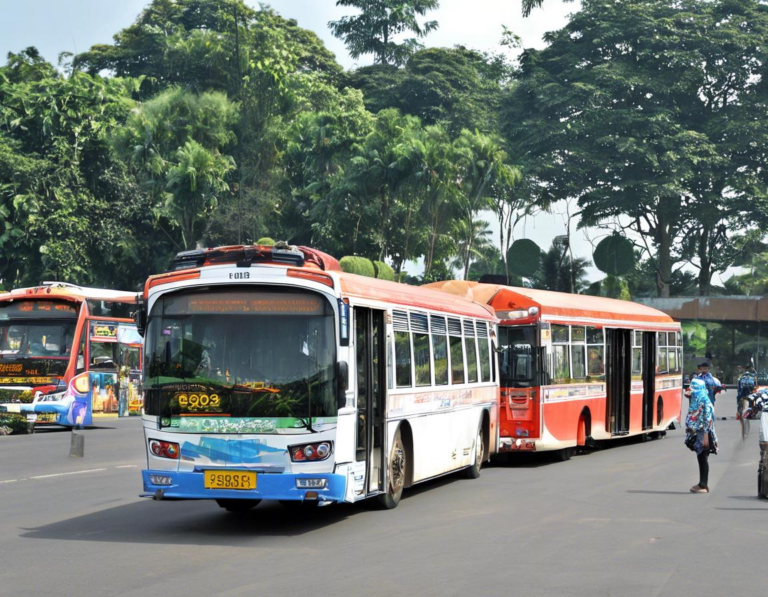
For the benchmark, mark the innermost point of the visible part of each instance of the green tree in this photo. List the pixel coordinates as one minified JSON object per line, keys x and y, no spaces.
{"x":485,"y":179}
{"x":455,"y":87}
{"x":195,"y":182}
{"x":560,"y":272}
{"x":376,"y":29}
{"x":655,"y":111}
{"x":177,"y":144}
{"x":69,"y":208}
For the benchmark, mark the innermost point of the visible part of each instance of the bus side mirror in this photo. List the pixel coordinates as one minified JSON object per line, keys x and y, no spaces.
{"x":342,"y":381}
{"x":140,"y":315}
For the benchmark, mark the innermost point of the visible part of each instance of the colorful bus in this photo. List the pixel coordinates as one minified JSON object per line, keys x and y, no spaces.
{"x":67,"y":352}
{"x":271,"y":374}
{"x":575,"y":369}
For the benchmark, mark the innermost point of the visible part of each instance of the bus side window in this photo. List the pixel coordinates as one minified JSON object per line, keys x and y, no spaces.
{"x":422,"y":358}
{"x":595,"y":352}
{"x":470,"y":347}
{"x":561,"y":365}
{"x":578,"y":352}
{"x":439,"y":349}
{"x":485,"y":353}
{"x":661,"y":341}
{"x":403,"y":370}
{"x":80,"y":367}
{"x":637,"y":352}
{"x":457,"y":351}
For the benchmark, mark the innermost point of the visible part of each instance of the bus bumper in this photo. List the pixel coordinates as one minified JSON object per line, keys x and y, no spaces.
{"x":188,"y":485}
{"x":510,"y":444}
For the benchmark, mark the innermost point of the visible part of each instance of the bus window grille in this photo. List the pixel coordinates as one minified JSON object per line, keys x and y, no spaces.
{"x":454,"y":327}
{"x":469,"y":328}
{"x":482,"y":329}
{"x":438,"y":325}
{"x":400,"y":321}
{"x":419,"y":323}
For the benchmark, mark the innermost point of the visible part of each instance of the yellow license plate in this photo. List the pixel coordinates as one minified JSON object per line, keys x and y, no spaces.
{"x":229,"y":480}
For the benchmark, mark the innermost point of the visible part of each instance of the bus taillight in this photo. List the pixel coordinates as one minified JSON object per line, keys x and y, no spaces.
{"x":310,"y":452}
{"x":164,"y":449}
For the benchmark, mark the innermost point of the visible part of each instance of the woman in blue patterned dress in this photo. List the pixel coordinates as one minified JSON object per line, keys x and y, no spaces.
{"x":699,"y":422}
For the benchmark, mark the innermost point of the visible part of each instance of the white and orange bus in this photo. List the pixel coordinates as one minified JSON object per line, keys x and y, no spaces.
{"x":272,"y":374}
{"x":576,"y":368}
{"x":67,"y":352}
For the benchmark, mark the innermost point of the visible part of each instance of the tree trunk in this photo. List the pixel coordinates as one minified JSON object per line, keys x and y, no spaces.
{"x":664,"y":259}
{"x":705,"y":262}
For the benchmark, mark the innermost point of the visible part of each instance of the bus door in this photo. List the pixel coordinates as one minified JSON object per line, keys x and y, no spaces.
{"x":649,"y":377}
{"x":370,"y":343}
{"x":618,"y":380}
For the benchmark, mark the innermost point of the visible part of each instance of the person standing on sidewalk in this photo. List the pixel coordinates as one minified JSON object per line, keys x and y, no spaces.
{"x":700,"y":431}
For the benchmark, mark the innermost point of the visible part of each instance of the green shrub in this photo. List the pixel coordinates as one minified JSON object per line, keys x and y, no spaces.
{"x":358,"y":265}
{"x":384,"y":271}
{"x":524,"y":257}
{"x":13,"y":423}
{"x":265,"y":242}
{"x":614,"y":255}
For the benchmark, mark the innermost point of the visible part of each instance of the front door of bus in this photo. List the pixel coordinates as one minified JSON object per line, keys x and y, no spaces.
{"x":370,"y":343}
{"x":618,"y":380}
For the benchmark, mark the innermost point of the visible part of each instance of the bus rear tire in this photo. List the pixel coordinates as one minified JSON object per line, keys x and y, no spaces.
{"x":564,"y":454}
{"x":238,"y":505}
{"x":473,"y":472}
{"x":397,"y":471}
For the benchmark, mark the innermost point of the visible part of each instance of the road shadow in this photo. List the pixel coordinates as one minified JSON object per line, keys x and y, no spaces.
{"x":202,"y":522}
{"x":193,"y":523}
{"x":658,"y":492}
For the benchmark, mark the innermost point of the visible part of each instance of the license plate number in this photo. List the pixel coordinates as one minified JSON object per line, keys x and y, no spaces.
{"x":230,"y":480}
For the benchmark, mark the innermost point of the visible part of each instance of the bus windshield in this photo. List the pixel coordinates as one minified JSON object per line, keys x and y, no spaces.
{"x":36,"y":338}
{"x":241,"y":360}
{"x":518,"y":358}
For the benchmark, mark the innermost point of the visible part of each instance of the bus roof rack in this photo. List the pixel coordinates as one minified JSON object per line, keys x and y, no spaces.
{"x":247,"y":255}
{"x":97,"y":294}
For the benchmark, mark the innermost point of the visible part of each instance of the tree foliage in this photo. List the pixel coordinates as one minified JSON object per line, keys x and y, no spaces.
{"x":375,"y":30}
{"x":654,"y":111}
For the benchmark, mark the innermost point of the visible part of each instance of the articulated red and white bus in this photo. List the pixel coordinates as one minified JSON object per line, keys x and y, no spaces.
{"x":272,"y":374}
{"x":576,"y":368}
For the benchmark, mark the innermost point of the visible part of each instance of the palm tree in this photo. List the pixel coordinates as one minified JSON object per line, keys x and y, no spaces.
{"x":195,"y":182}
{"x":471,"y":240}
{"x":560,"y":273}
{"x":484,"y":175}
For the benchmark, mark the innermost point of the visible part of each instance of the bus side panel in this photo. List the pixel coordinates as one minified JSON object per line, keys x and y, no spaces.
{"x":561,"y":419}
{"x":635,"y":412}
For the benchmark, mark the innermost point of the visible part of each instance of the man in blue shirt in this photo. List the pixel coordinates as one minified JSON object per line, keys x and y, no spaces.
{"x":713,"y":384}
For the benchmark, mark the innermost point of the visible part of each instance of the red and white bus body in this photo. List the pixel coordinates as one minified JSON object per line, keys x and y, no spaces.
{"x":575,"y":368}
{"x":67,"y":352}
{"x":381,"y":345}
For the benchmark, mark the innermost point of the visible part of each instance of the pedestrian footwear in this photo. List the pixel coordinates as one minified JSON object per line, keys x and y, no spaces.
{"x":699,"y":489}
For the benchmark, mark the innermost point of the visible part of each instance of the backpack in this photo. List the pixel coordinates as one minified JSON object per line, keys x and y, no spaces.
{"x":747,"y":384}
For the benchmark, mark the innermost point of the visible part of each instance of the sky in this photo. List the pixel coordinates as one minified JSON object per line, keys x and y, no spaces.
{"x":56,"y":26}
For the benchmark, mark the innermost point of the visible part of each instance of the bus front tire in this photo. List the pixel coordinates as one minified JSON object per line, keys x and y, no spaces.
{"x":238,"y":505}
{"x":473,"y":472}
{"x":397,"y":470}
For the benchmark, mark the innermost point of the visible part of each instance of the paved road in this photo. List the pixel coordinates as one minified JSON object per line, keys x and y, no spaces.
{"x":612,"y":522}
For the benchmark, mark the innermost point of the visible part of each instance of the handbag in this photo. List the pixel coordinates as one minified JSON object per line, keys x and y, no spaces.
{"x":690,"y":441}
{"x":713,"y":448}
